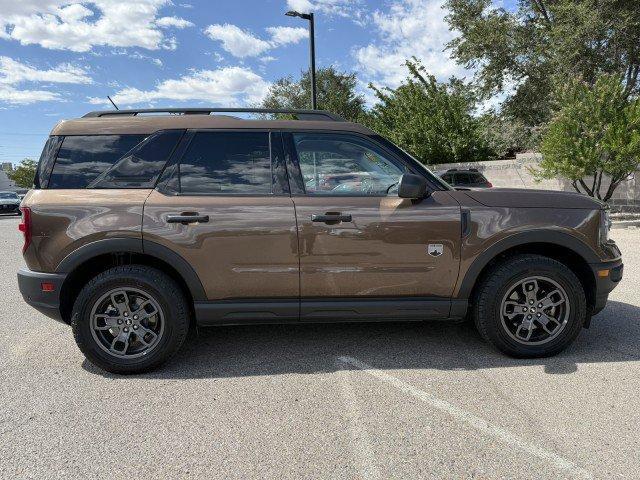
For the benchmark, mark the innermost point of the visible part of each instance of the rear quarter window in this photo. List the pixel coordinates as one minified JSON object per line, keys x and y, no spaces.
{"x":47,"y":158}
{"x":111,"y":161}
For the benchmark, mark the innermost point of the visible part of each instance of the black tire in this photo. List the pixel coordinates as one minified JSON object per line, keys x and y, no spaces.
{"x":165,"y":292}
{"x":487,"y":302}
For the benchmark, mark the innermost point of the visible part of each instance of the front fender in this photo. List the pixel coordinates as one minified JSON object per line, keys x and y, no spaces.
{"x":541,"y":236}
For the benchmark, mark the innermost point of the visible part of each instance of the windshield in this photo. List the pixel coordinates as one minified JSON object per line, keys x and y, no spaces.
{"x":8,"y":195}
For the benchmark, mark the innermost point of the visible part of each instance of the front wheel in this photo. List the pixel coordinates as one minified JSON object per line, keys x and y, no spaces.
{"x":130,"y":319}
{"x":530,"y":306}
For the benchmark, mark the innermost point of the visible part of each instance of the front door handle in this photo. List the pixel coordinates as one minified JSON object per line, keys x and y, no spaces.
{"x":331,"y":218}
{"x":187,"y":217}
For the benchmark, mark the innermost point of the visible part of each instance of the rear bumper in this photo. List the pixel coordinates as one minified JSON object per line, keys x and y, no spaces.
{"x":606,"y":283}
{"x":48,"y":303}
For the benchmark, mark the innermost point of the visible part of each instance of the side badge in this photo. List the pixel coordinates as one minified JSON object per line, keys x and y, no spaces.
{"x":435,"y":249}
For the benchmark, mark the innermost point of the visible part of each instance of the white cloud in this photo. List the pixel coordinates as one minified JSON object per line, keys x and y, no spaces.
{"x":176,"y":22}
{"x":12,"y":95}
{"x":62,"y":25}
{"x":408,"y":28}
{"x":226,"y":86}
{"x":13,"y":73}
{"x":343,"y":8}
{"x":241,"y":43}
{"x":236,"y":41}
{"x":286,"y":35}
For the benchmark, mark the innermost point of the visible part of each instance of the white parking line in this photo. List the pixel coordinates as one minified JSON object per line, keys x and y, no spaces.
{"x":361,"y":443}
{"x":478,"y":423}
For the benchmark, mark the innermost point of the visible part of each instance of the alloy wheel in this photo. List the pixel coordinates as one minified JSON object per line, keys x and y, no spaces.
{"x":127,"y":322}
{"x":535,"y":310}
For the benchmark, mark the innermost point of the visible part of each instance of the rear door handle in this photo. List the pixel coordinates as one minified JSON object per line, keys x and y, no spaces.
{"x":187,"y":217}
{"x":331,"y":218}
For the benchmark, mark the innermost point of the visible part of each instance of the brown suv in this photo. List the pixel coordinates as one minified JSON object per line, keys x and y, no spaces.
{"x":141,"y":225}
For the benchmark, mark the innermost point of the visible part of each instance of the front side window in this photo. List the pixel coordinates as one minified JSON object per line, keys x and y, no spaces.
{"x":228,"y":163}
{"x":81,"y":159}
{"x":339,"y":164}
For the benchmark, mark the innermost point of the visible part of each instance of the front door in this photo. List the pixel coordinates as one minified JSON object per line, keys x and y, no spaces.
{"x":224,"y":207}
{"x":362,"y":248}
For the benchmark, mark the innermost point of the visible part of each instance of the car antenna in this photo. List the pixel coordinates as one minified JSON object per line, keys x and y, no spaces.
{"x":112,"y":103}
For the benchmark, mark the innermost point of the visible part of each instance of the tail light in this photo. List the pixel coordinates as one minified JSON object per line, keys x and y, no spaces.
{"x":489,"y":185}
{"x":25,"y":227}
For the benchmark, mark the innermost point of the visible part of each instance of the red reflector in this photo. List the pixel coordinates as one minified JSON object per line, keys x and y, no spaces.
{"x":47,"y":286}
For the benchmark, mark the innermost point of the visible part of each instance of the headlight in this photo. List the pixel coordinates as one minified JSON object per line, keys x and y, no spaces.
{"x":605,"y":225}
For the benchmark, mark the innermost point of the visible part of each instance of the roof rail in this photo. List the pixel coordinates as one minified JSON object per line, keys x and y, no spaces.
{"x":299,"y":114}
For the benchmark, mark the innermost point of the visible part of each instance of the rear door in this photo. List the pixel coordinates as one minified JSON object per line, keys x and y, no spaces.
{"x":224,"y":207}
{"x":359,"y":241}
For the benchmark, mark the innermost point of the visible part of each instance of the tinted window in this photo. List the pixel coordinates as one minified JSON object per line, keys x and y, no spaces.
{"x":8,"y":195}
{"x":477,"y":178}
{"x":462,"y":179}
{"x":227,"y":163}
{"x":140,"y":167}
{"x":81,"y":159}
{"x":447,"y":178}
{"x":338,"y":164}
{"x":47,"y":158}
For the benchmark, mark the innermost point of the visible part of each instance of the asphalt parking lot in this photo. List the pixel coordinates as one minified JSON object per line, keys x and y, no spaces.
{"x":328,"y":401}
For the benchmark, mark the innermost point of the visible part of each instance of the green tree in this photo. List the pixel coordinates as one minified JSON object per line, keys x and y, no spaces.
{"x":594,"y":135}
{"x":24,"y":174}
{"x":336,"y":92}
{"x":431,"y":120}
{"x":506,"y":135}
{"x":542,"y":43}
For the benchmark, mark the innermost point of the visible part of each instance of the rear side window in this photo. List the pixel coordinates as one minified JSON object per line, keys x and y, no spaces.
{"x":227,"y":163}
{"x":477,"y":178}
{"x":81,"y":159}
{"x":462,"y":179}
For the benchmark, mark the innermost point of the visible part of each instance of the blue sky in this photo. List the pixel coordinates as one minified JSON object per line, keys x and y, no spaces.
{"x":60,"y":58}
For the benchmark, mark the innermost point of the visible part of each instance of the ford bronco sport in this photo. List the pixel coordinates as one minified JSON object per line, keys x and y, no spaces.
{"x":141,"y":225}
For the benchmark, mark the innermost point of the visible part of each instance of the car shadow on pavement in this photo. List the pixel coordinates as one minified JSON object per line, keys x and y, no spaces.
{"x":240,"y":351}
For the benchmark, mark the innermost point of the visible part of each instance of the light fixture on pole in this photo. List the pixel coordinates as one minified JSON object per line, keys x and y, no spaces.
{"x":312,"y":52}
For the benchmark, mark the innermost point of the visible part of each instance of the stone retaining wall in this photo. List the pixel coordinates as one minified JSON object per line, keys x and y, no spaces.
{"x":516,"y":173}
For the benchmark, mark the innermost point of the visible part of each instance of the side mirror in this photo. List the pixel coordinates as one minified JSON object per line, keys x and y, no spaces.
{"x":412,"y":186}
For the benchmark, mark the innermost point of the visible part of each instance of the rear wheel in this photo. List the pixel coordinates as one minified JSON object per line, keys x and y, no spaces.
{"x":530,"y":306}
{"x":130,"y":319}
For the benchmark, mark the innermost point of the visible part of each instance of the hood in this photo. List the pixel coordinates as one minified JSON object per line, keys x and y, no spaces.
{"x":525,"y":198}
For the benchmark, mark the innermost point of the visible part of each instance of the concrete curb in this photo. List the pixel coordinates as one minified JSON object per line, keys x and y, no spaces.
{"x":631,"y":224}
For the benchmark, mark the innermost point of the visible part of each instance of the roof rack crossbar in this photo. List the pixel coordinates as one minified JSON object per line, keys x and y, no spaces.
{"x":299,"y":114}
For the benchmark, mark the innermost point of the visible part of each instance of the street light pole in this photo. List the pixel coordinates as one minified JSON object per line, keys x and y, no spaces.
{"x":312,"y":53}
